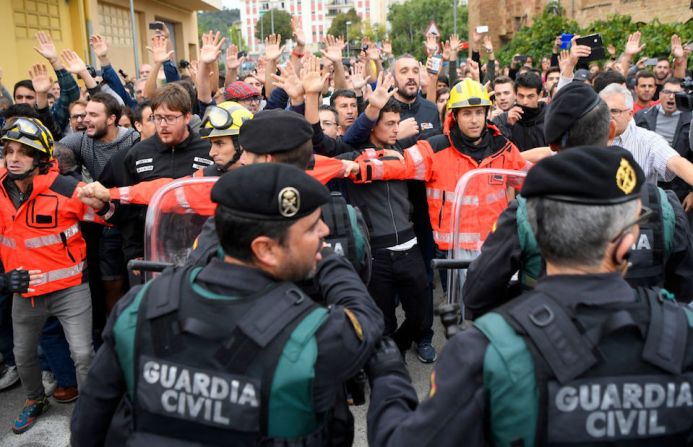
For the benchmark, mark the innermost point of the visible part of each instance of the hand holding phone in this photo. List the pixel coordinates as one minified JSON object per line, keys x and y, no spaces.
{"x":156,"y":26}
{"x":482,"y":29}
{"x":594,"y":41}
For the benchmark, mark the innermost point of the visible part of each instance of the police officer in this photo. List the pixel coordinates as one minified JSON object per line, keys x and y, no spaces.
{"x":234,"y":353}
{"x":582,"y":359}
{"x":662,"y":255}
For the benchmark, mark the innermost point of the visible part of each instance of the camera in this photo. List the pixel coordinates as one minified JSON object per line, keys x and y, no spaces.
{"x":684,"y":99}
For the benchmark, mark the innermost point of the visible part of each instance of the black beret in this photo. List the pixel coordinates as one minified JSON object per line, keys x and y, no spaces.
{"x":570,"y":103}
{"x":269,"y":191}
{"x":586,"y":175}
{"x":276,"y":130}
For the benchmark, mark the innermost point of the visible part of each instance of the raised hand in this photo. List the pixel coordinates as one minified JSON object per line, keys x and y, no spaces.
{"x":676,"y":47}
{"x":387,"y":47}
{"x":578,"y":51}
{"x":473,"y":69}
{"x":289,"y":81}
{"x":564,"y":61}
{"x":476,"y":39}
{"x":260,"y":72}
{"x":356,"y":77}
{"x":431,"y":44}
{"x":40,"y":79}
{"x":211,"y":47}
{"x":158,"y":49}
{"x":272,"y":49}
{"x":633,"y":46}
{"x":297,"y":32}
{"x":45,"y":47}
{"x":192,"y":69}
{"x":382,"y":92}
{"x":312,"y":80}
{"x":233,"y":62}
{"x":99,"y":45}
{"x":72,"y":62}
{"x":487,"y":44}
{"x":611,"y":49}
{"x":333,"y":48}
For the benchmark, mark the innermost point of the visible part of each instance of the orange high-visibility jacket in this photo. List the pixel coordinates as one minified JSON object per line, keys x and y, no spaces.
{"x":43,"y":234}
{"x":198,"y":200}
{"x":441,"y":170}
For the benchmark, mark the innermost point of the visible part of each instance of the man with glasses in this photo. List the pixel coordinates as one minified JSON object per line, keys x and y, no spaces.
{"x":652,"y":152}
{"x":576,"y":361}
{"x":78,"y":113}
{"x":175,"y":151}
{"x":674,"y":126}
{"x":245,"y":95}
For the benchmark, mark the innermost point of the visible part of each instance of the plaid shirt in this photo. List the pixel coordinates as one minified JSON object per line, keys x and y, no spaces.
{"x":69,"y":92}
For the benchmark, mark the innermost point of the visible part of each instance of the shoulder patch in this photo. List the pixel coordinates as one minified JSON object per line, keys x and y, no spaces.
{"x":64,"y":185}
{"x":354,"y":323}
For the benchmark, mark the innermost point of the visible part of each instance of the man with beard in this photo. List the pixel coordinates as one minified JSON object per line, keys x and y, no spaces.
{"x":252,"y":346}
{"x":523,"y":124}
{"x":503,"y":96}
{"x":94,"y":148}
{"x":78,"y":113}
{"x":662,"y":72}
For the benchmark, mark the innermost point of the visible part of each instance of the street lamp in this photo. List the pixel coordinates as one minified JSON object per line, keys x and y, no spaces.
{"x":348,"y":22}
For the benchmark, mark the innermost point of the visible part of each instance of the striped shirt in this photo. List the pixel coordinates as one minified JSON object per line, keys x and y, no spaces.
{"x":651,"y":151}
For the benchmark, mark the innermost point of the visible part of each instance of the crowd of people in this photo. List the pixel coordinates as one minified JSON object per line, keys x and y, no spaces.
{"x":252,"y":340}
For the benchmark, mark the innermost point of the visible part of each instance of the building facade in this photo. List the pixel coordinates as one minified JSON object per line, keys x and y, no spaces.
{"x":505,"y":17}
{"x":71,"y":22}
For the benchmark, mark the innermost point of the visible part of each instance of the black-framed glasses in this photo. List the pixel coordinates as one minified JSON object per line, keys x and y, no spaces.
{"x":618,"y":111}
{"x":667,"y":92}
{"x":169,"y":119}
{"x":644,"y":216}
{"x":78,"y":116}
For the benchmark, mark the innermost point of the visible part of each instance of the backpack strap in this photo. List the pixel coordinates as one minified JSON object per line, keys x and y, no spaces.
{"x":668,"y":222}
{"x":665,"y":344}
{"x":555,"y":336}
{"x":161,"y":308}
{"x":262,"y":325}
{"x":532,"y":262}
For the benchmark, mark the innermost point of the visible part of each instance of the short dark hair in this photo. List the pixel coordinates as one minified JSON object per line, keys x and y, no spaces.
{"x":23,"y":110}
{"x":663,"y":58}
{"x":329,"y":109}
{"x":529,"y":80}
{"x":112,"y":106}
{"x":299,"y":156}
{"x":553,"y":69}
{"x":673,"y":80}
{"x":236,"y":233}
{"x":644,"y":74}
{"x":392,"y":105}
{"x":173,"y":96}
{"x":341,"y":93}
{"x":444,"y":79}
{"x":607,"y":77}
{"x":127,"y":111}
{"x":503,"y":80}
{"x":140,"y":107}
{"x":26,"y":83}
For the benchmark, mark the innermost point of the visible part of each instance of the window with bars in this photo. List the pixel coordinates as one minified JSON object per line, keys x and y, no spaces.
{"x":31,"y":16}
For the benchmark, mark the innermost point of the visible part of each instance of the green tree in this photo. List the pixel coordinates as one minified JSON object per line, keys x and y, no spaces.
{"x":236,"y":37}
{"x":411,"y":19}
{"x":338,"y":26}
{"x":217,"y":21}
{"x":282,"y":25}
{"x":537,"y":40}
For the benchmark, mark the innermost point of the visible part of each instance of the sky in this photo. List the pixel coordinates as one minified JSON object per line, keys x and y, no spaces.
{"x":231,"y":4}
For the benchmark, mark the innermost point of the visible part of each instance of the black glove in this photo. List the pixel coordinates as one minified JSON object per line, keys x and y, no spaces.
{"x":17,"y":281}
{"x":386,"y":361}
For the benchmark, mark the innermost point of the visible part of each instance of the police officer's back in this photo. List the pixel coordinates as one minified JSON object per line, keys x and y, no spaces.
{"x":582,"y":359}
{"x":233,"y":353}
{"x":662,"y":255}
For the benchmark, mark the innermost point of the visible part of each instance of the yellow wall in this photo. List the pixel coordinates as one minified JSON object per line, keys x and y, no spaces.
{"x":72,"y":22}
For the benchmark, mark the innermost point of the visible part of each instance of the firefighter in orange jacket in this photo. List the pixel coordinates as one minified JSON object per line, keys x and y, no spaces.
{"x":221,"y":125}
{"x":39,"y":222}
{"x":468,"y":142}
